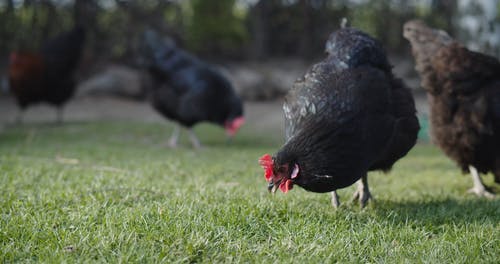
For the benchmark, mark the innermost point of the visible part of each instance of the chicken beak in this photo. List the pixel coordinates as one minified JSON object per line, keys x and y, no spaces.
{"x":273,"y":186}
{"x":270,"y":186}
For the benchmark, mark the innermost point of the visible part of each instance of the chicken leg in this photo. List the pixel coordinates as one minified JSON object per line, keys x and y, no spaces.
{"x":172,"y":142}
{"x":194,"y":140}
{"x":59,"y":115}
{"x":363,"y":192}
{"x":479,"y":189}
{"x":20,"y":117}
{"x":335,"y":199}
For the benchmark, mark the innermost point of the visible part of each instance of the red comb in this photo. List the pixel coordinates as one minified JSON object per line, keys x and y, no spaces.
{"x":266,"y":162}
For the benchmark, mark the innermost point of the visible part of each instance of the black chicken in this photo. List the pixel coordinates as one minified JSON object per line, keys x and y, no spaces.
{"x":47,"y":75}
{"x":463,"y":88}
{"x":188,"y":90}
{"x":348,"y":115}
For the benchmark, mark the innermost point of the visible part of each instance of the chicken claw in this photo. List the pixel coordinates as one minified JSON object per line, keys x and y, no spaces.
{"x":363,"y":192}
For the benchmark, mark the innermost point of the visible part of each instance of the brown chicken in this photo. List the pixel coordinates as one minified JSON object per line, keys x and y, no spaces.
{"x":463,"y":88}
{"x":48,"y":75}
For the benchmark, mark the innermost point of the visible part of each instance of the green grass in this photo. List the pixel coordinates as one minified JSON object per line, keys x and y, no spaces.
{"x":111,"y":192}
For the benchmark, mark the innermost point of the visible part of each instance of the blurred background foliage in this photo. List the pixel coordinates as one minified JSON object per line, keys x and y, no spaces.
{"x":236,"y":29}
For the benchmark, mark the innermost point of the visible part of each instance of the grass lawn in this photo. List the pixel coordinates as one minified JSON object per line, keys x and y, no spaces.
{"x":111,"y":192}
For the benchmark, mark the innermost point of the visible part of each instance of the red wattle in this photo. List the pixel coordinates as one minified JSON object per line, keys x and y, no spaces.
{"x":286,"y":185}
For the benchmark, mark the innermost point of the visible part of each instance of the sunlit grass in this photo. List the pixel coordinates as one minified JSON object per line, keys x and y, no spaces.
{"x":86,"y":192}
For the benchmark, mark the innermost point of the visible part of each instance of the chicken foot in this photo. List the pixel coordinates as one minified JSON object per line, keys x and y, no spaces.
{"x":172,"y":142}
{"x":479,"y":189}
{"x":363,"y":192}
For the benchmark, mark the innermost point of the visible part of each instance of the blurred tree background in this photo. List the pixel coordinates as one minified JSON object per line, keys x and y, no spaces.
{"x":238,"y":29}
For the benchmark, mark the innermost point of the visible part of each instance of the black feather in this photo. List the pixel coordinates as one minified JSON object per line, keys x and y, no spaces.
{"x":48,"y":75}
{"x":347,"y":115}
{"x":188,"y":90}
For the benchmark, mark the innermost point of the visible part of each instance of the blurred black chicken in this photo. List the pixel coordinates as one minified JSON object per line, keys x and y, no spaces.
{"x":348,"y":115}
{"x":463,"y":88}
{"x":47,"y":75}
{"x":188,"y":90}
